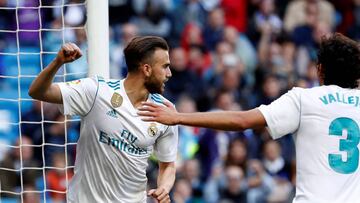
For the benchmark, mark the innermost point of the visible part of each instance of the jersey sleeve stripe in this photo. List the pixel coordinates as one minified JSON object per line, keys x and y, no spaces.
{"x":114,"y":83}
{"x":157,"y":96}
{"x":157,"y":100}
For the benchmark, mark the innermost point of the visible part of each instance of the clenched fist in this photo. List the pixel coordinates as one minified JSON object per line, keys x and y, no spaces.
{"x":160,"y":194}
{"x":68,"y":52}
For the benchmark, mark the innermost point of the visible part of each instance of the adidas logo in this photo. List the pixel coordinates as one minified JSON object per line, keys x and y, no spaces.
{"x":112,"y":113}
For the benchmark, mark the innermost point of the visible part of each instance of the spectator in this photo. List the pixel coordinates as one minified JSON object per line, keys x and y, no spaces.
{"x":188,"y":136}
{"x":238,"y":180}
{"x":58,"y":178}
{"x":120,"y":11}
{"x":118,"y":68}
{"x":214,"y":144}
{"x":7,"y":22}
{"x":231,"y":81}
{"x":18,"y":161}
{"x":31,"y":197}
{"x":354,"y":30}
{"x":183,"y":80}
{"x":271,"y":90}
{"x":259,"y":183}
{"x":189,"y":12}
{"x":56,"y":133}
{"x":75,"y":14}
{"x":235,"y":14}
{"x":224,"y":55}
{"x":233,"y":190}
{"x":191,"y":35}
{"x":199,"y":60}
{"x":307,"y":51}
{"x":243,"y":49}
{"x":237,"y":154}
{"x":191,"y":173}
{"x":182,"y":191}
{"x":295,"y":13}
{"x":151,"y":19}
{"x":279,"y":169}
{"x":214,"y":29}
{"x":265,"y":18}
{"x":266,"y":14}
{"x":79,"y":68}
{"x":29,"y":24}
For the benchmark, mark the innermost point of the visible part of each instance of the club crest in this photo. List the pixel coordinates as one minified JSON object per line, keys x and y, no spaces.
{"x":116,"y":100}
{"x":152,"y":130}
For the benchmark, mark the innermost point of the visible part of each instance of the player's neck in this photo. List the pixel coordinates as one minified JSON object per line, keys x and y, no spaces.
{"x":135,"y":90}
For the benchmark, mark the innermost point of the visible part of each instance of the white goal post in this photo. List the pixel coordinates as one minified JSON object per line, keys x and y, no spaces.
{"x":98,"y":37}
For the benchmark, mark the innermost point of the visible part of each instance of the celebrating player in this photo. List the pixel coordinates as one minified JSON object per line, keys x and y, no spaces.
{"x":115,"y":144}
{"x":324,"y":121}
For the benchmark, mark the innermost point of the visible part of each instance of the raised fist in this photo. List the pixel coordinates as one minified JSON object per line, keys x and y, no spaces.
{"x":68,"y":52}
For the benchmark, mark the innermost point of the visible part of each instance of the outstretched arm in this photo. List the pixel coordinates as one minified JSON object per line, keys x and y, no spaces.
{"x":221,"y":120}
{"x":165,"y":182}
{"x":42,"y":87}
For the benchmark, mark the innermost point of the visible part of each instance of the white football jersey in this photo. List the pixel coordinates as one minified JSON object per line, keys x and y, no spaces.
{"x":114,"y":144}
{"x":325,"y":123}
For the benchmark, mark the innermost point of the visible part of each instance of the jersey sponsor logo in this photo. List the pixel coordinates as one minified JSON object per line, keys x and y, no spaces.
{"x":113,"y":113}
{"x":152,"y":130}
{"x":125,"y":143}
{"x":116,"y":100}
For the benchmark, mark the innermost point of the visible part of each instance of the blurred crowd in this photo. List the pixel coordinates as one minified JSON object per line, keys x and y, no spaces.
{"x":225,"y":55}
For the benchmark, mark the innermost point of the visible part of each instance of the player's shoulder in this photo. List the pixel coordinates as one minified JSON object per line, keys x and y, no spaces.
{"x":94,"y":80}
{"x":301,"y":90}
{"x":158,"y":98}
{"x":315,"y":92}
{"x":114,"y":84}
{"x":296,"y":91}
{"x":83,"y":82}
{"x":323,"y":89}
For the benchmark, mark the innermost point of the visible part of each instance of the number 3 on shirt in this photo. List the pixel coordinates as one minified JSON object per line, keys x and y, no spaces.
{"x":348,"y":145}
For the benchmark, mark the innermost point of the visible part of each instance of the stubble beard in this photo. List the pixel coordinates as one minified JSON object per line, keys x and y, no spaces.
{"x":154,"y":86}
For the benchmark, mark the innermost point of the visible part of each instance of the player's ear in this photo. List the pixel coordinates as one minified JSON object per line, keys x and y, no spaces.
{"x":146,"y":69}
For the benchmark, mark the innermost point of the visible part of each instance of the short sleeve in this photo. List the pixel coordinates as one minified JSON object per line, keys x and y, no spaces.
{"x":283,"y":115}
{"x":165,"y":148}
{"x":78,"y":96}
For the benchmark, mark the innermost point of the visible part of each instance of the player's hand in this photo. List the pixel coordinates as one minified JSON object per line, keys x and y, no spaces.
{"x":68,"y":52}
{"x":158,"y":113}
{"x":160,"y":194}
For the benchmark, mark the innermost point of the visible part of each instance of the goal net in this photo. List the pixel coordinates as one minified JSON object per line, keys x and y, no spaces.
{"x":37,"y":143}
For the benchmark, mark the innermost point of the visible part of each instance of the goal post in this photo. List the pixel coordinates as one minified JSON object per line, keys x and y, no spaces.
{"x":98,"y":37}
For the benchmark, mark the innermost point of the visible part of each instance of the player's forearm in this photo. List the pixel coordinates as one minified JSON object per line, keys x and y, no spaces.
{"x":42,"y":83}
{"x":166,"y":177}
{"x":42,"y":87}
{"x":224,"y":120}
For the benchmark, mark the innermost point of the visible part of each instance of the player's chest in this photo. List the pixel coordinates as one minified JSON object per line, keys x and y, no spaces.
{"x":120,"y":123}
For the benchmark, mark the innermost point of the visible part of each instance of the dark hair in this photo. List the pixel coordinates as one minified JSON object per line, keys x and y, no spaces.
{"x":339,"y":57}
{"x":141,"y":49}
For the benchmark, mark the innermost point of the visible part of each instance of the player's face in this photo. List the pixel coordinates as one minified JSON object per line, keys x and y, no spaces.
{"x":155,"y":83}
